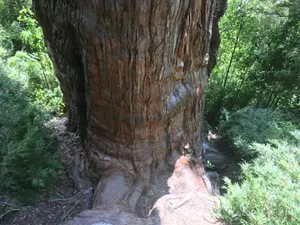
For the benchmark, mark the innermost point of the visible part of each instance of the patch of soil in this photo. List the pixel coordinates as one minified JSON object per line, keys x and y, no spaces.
{"x":71,"y":196}
{"x":233,"y":168}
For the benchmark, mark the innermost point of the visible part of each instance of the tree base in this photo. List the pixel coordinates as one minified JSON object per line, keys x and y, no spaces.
{"x":178,"y":197}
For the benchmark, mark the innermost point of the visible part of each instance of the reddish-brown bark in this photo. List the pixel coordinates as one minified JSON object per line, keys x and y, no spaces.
{"x":133,"y":75}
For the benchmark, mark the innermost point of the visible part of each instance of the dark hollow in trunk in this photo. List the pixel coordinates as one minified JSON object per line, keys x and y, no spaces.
{"x":133,"y":75}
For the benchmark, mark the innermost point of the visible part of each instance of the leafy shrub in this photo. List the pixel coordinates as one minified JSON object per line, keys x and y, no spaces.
{"x":255,"y":125}
{"x":32,"y":36}
{"x":43,"y":85}
{"x":9,"y":10}
{"x":269,"y":193}
{"x":24,"y":69}
{"x":28,"y":162}
{"x":43,"y":88}
{"x":5,"y":43}
{"x":33,"y":68}
{"x":29,"y":94}
{"x":49,"y":100}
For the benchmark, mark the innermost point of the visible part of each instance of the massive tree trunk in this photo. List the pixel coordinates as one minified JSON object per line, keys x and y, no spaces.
{"x":133,"y":75}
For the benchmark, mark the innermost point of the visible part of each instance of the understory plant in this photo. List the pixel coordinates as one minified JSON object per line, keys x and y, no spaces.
{"x":41,"y":85}
{"x":28,"y":160}
{"x":259,"y":125}
{"x":269,"y":193}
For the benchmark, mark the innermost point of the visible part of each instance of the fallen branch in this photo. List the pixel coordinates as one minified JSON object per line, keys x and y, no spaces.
{"x":69,"y":211}
{"x":7,"y":212}
{"x":6,"y":203}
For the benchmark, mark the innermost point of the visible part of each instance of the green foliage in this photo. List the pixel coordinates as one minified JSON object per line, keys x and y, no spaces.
{"x":209,"y":165}
{"x":269,"y":193}
{"x":6,"y":44}
{"x":49,"y":100}
{"x":258,"y":71}
{"x":32,"y":67}
{"x":258,"y":61}
{"x":41,"y":85}
{"x":9,"y":10}
{"x":28,"y":162}
{"x":32,"y":35}
{"x":250,"y":125}
{"x":29,"y":95}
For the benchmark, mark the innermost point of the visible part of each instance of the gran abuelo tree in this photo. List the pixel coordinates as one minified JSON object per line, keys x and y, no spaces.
{"x":133,"y":74}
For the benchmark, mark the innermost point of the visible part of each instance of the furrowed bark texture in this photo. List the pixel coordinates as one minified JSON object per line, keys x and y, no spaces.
{"x":133,"y":75}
